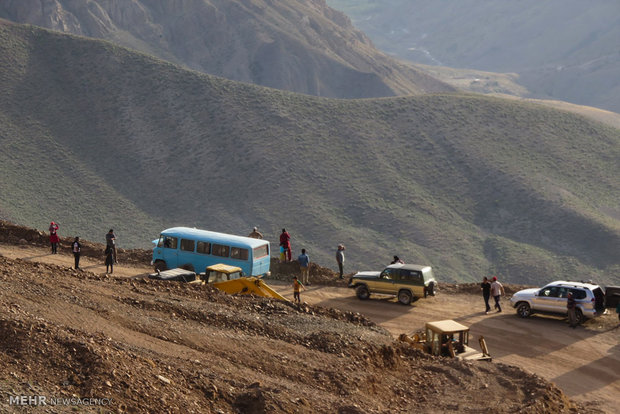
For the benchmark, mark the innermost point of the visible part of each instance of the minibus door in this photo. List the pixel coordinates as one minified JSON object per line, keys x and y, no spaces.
{"x":171,"y":252}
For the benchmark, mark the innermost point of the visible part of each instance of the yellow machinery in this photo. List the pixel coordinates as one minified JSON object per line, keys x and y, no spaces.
{"x":448,"y":338}
{"x":228,"y":279}
{"x":223,"y":277}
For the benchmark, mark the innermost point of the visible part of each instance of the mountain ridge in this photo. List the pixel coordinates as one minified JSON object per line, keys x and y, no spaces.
{"x":101,"y":137}
{"x":302,"y":46}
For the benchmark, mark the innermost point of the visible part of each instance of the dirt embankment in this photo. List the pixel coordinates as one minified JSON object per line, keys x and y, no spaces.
{"x":13,"y":234}
{"x":139,"y":345}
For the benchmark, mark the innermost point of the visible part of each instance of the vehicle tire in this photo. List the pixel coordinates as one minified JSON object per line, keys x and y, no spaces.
{"x":579,"y":316}
{"x":432,"y":289}
{"x":404,"y":297}
{"x":160,"y":265}
{"x":362,"y":292}
{"x":524,"y":310}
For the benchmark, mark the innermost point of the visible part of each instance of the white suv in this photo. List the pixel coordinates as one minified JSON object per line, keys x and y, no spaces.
{"x":551,"y":299}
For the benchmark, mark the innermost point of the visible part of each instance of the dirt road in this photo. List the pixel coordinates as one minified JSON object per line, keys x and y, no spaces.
{"x":584,"y":363}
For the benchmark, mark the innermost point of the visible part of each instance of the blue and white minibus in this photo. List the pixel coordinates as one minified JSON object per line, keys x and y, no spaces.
{"x":196,"y":249}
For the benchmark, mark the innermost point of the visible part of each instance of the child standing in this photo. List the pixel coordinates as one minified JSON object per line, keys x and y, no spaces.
{"x":297,"y":287}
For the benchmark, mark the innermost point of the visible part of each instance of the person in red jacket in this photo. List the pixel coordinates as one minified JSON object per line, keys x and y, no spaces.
{"x":54,"y":237}
{"x":285,"y":241}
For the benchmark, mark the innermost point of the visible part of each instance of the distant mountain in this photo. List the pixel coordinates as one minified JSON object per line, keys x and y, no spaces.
{"x":561,"y":49}
{"x":95,"y":136}
{"x":298,"y":45}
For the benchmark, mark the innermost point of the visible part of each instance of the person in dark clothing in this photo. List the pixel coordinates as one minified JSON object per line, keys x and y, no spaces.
{"x":397,"y":260}
{"x":485,"y":286}
{"x":110,"y":241}
{"x":340,"y":259}
{"x":571,"y":307}
{"x":76,"y":248}
{"x":109,"y":260}
{"x":54,"y":237}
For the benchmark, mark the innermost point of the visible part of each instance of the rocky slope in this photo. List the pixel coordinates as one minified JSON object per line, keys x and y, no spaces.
{"x":149,"y":346}
{"x":301,"y":46}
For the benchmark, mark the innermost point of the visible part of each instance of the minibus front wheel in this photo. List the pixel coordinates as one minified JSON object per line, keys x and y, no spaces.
{"x":160,"y":265}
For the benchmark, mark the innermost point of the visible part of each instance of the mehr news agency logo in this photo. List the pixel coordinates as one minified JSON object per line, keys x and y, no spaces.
{"x":40,"y":400}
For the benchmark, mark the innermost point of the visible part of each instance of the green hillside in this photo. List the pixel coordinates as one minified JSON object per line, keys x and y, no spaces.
{"x":96,"y":137}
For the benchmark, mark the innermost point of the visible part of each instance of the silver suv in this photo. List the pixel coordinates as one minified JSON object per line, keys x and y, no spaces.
{"x":551,"y":299}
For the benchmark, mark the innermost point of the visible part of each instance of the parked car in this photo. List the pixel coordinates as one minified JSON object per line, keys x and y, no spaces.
{"x":551,"y":299}
{"x":407,"y":282}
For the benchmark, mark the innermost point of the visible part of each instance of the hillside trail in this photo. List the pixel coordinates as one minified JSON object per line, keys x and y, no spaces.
{"x":584,"y":363}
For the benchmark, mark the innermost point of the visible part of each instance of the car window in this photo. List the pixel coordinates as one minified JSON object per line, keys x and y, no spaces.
{"x":239,"y":253}
{"x":578,"y":293}
{"x":411,"y":276}
{"x":387,"y":274}
{"x":545,"y":292}
{"x":203,"y":247}
{"x":187,"y":245}
{"x":220,"y":250}
{"x":562,"y":292}
{"x":170,"y":242}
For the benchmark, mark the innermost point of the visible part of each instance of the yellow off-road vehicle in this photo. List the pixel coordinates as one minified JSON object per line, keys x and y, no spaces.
{"x":408,"y":282}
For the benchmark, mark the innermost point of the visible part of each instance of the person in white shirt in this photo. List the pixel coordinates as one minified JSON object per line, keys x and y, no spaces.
{"x":496,"y":291}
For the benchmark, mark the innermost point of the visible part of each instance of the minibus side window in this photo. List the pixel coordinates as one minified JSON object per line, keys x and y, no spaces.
{"x":203,"y":247}
{"x":220,"y":250}
{"x":170,"y":242}
{"x":187,"y":245}
{"x":261,"y":251}
{"x":239,"y":253}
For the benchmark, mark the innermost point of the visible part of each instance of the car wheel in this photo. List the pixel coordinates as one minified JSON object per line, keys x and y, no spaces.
{"x":579,"y":315}
{"x":362,"y":292}
{"x":432,"y":289}
{"x":160,"y":265}
{"x":524,"y":310}
{"x":404,"y":297}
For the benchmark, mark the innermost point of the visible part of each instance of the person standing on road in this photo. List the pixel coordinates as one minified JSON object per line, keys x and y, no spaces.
{"x":285,"y":241}
{"x":255,"y":234}
{"x":497,"y":290}
{"x":485,"y":286}
{"x":109,"y":260}
{"x":110,"y":241}
{"x":76,"y":247}
{"x":54,"y":237}
{"x":571,"y":307}
{"x":618,"y":312}
{"x":297,"y":287}
{"x":340,"y":259}
{"x":304,"y":263}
